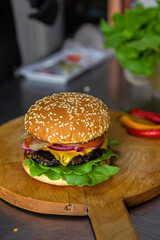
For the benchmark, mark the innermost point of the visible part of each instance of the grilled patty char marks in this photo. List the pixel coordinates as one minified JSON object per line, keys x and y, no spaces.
{"x":43,"y":157}
{"x":47,"y":159}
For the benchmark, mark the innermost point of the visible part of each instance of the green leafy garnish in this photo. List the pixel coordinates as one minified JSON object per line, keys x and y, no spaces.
{"x":97,"y":175}
{"x":112,"y":142}
{"x":135,"y":38}
{"x":90,"y":173}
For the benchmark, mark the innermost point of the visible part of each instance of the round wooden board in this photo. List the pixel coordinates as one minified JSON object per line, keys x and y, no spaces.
{"x":137,"y":181}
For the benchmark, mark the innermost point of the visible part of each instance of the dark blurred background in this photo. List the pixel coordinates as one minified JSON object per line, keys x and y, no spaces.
{"x":79,"y":12}
{"x":33,"y":29}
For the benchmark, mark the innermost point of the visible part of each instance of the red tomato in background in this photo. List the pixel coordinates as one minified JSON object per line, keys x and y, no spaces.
{"x":73,"y":58}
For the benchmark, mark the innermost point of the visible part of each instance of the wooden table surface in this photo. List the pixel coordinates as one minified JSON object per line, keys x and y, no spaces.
{"x":107,"y":82}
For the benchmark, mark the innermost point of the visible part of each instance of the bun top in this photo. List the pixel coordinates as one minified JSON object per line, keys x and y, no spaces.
{"x":67,"y":117}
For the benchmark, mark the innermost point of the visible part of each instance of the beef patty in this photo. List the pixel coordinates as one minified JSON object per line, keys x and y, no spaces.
{"x":47,"y":159}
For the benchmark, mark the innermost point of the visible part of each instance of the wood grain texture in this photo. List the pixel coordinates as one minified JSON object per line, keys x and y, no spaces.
{"x":137,"y":181}
{"x":110,"y":218}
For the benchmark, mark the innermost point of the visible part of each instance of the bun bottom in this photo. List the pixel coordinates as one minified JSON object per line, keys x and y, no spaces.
{"x":43,"y":178}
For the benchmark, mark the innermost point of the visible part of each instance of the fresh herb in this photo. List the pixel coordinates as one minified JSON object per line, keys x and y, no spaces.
{"x":112,"y":142}
{"x":90,"y":173}
{"x":135,"y":37}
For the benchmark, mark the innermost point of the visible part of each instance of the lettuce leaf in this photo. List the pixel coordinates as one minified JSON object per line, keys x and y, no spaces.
{"x":98,"y":174}
{"x":90,"y":173}
{"x":136,"y":43}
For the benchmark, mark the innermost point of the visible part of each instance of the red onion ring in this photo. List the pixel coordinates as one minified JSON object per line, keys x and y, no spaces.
{"x":61,"y":147}
{"x":79,"y":149}
{"x":97,"y":146}
{"x":66,"y":148}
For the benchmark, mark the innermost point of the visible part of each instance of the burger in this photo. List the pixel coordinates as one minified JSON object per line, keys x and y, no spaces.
{"x":66,"y":143}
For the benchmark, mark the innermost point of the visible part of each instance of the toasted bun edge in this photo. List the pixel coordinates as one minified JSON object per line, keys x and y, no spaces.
{"x":43,"y":178}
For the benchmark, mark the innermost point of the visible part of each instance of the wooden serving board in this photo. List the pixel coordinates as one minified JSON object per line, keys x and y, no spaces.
{"x":137,"y":181}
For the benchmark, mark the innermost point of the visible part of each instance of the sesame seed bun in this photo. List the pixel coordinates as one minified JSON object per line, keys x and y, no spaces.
{"x":43,"y":178}
{"x":68,"y":117}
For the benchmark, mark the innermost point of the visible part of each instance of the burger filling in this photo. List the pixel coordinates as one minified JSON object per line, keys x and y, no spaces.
{"x":47,"y":159}
{"x":67,"y":154}
{"x":77,"y":164}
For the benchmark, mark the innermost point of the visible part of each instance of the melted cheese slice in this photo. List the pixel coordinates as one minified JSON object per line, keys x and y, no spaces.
{"x":64,"y":157}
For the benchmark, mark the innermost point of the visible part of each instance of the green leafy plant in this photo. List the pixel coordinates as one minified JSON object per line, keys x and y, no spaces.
{"x":135,"y":37}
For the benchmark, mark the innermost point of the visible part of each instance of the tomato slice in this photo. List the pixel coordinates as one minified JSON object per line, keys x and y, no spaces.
{"x":95,"y":143}
{"x":90,"y":144}
{"x":73,"y":58}
{"x":27,"y":141}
